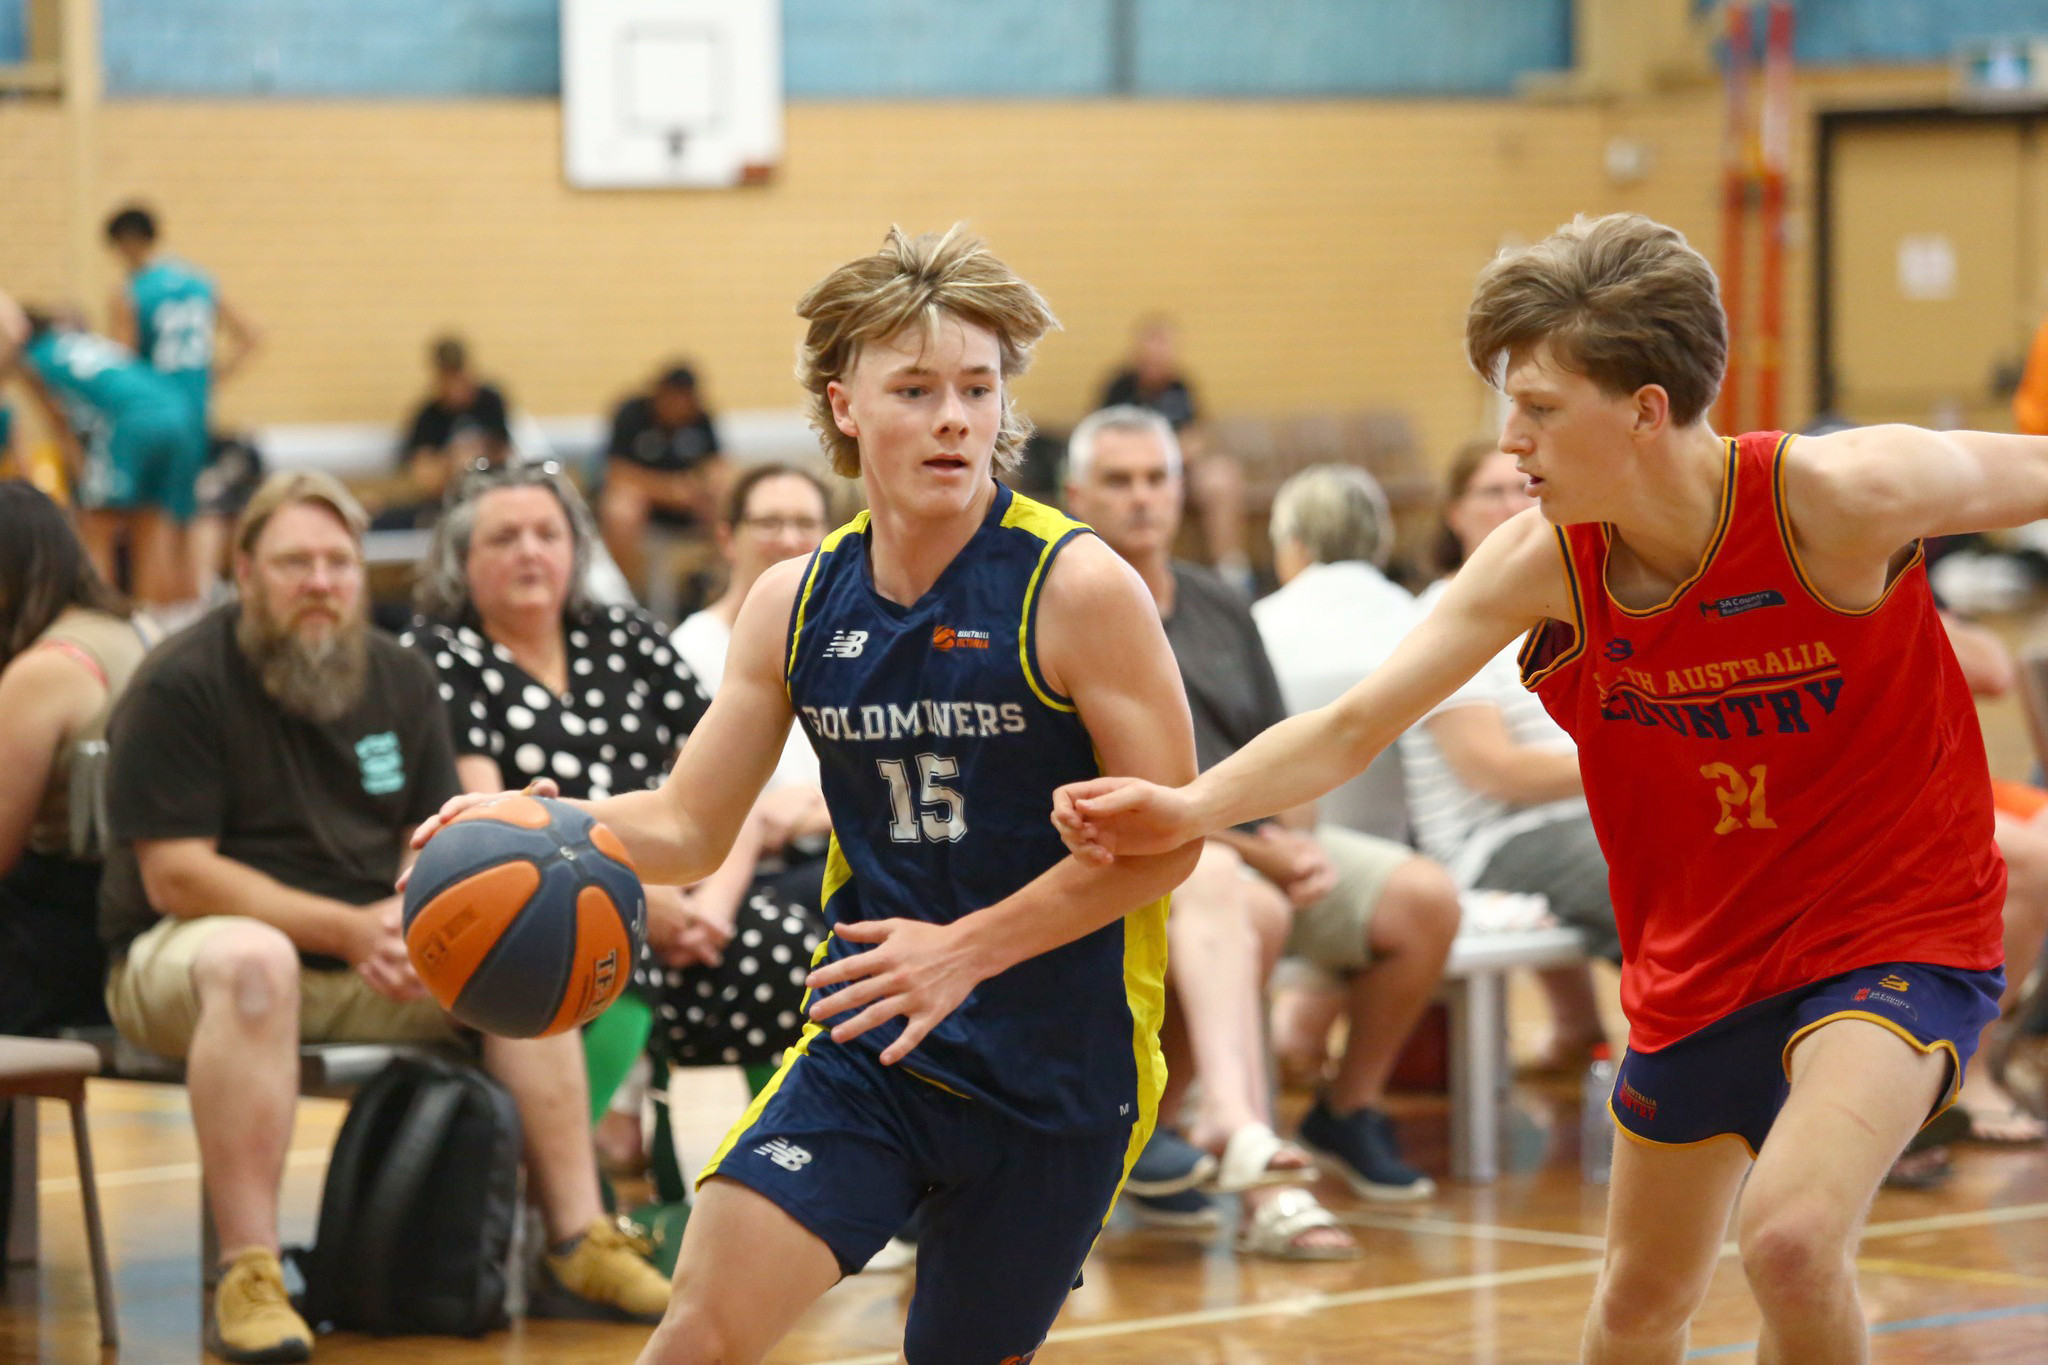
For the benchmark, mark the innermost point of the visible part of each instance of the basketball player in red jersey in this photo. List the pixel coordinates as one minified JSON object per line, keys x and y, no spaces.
{"x":1780,"y":754}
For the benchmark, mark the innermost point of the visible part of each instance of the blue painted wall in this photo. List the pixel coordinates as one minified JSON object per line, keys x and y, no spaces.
{"x":883,"y":49}
{"x":835,"y":49}
{"x":13,"y":30}
{"x":1341,"y":47}
{"x":1867,"y":32}
{"x":331,"y":47}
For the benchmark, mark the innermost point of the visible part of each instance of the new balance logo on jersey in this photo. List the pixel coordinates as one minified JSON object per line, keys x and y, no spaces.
{"x":846,"y":644}
{"x":784,"y":1153}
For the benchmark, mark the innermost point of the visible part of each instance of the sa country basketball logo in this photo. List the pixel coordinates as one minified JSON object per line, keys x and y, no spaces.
{"x":945,"y":637}
{"x":846,"y":644}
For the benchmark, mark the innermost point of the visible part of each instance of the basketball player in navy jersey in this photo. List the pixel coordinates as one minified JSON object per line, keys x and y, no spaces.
{"x":983,"y":1044}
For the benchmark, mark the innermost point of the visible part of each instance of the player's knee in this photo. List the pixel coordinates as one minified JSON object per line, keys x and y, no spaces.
{"x":252,"y":971}
{"x":691,"y":1334}
{"x":1793,"y":1252}
{"x":1644,"y":1302}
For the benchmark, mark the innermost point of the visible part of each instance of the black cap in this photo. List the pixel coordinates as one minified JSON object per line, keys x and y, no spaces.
{"x":677,"y":377}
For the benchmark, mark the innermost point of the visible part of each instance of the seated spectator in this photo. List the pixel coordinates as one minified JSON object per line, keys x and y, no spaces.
{"x":462,"y":423}
{"x":1335,"y":618}
{"x":1153,"y":378}
{"x":268,"y":764}
{"x":774,"y":512}
{"x":133,"y":446}
{"x":537,"y":681}
{"x":661,"y":465}
{"x":67,"y":649}
{"x":1365,"y":908}
{"x":1494,"y":785}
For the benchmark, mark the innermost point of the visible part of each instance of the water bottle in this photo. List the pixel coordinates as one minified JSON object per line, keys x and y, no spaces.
{"x":1596,"y":1126}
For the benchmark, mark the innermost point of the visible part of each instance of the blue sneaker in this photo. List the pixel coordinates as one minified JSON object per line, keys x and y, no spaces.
{"x":1168,"y":1165}
{"x":1187,"y":1211}
{"x":1361,"y":1147}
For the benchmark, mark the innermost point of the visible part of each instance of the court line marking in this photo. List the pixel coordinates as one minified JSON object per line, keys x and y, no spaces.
{"x":1479,"y":1232}
{"x":1902,"y":1325}
{"x":1303,"y":1305}
{"x":2004,"y":1279}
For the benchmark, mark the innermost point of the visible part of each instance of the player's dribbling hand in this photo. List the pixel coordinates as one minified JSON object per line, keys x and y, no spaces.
{"x":1107,"y":816}
{"x":917,"y":970}
{"x":455,"y":805}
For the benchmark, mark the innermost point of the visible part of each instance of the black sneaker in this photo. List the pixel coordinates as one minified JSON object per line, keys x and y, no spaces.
{"x":1361,"y":1147}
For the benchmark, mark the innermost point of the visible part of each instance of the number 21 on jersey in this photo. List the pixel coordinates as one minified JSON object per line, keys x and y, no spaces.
{"x":1741,"y":798}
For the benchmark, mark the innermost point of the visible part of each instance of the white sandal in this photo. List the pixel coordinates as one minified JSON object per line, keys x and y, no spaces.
{"x":1248,"y":1162}
{"x":1278,"y":1221}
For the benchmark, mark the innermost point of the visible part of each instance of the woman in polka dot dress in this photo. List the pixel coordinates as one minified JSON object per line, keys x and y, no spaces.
{"x":539,"y":681}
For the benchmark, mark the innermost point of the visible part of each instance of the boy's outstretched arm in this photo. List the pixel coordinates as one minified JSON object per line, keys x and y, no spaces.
{"x":1515,"y":578}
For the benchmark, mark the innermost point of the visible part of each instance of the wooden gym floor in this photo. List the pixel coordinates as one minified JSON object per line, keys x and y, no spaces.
{"x":1495,"y":1275}
{"x":1482,"y":1274}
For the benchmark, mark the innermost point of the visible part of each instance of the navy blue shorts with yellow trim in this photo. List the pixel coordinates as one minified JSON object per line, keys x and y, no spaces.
{"x":1733,"y":1075}
{"x":850,"y":1149}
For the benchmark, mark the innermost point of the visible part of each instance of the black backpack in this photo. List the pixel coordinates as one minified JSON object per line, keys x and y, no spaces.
{"x":417,"y":1215}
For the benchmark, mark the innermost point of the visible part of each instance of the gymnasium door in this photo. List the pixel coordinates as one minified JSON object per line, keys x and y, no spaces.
{"x":1937,"y":248}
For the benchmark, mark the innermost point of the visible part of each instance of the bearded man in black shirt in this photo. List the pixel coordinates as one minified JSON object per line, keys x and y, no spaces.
{"x":267,"y":766}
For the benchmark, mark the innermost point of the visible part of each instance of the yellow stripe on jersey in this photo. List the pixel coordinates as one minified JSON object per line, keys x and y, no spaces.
{"x":838,"y":872}
{"x":1540,"y":629}
{"x":1051,"y":527}
{"x":1706,"y":560}
{"x":803,"y":601}
{"x":1784,"y":519}
{"x":1145,"y":993}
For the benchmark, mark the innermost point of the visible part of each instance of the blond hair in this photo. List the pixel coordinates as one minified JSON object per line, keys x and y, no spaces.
{"x":1622,"y":300}
{"x":915,"y":282}
{"x":288,"y":487}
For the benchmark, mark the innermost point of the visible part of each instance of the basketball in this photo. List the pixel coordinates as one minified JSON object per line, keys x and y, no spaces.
{"x":523,"y":917}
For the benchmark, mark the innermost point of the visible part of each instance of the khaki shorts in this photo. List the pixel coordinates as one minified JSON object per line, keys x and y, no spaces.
{"x":1333,"y":932}
{"x":154,"y":1002}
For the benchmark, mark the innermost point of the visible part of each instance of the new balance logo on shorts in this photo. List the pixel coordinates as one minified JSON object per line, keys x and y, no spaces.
{"x":846,"y":644}
{"x":784,"y":1153}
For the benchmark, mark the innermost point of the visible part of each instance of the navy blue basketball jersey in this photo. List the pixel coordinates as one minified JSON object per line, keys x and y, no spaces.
{"x":940,"y":745}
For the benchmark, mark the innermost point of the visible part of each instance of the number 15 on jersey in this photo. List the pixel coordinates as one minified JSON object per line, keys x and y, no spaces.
{"x":938,"y":814}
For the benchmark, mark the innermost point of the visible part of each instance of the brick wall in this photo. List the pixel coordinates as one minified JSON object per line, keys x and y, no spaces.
{"x":1319,"y":255}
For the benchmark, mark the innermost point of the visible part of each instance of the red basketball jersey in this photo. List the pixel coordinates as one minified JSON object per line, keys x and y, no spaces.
{"x":1784,"y":790}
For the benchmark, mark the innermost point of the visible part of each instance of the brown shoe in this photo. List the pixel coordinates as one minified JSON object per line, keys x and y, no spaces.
{"x":604,"y":1275}
{"x":253,"y":1319}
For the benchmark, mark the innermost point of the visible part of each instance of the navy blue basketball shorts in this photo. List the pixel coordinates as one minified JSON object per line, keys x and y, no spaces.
{"x":850,"y":1149}
{"x":1732,"y":1076}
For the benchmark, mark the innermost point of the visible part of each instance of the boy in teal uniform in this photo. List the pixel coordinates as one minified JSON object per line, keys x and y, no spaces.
{"x":172,"y":315}
{"x":145,"y":448}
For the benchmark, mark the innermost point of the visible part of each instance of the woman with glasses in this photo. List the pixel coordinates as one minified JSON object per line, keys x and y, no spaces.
{"x":539,"y":681}
{"x":1493,"y":784}
{"x":774,"y":512}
